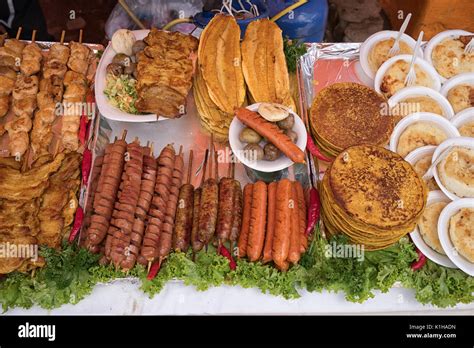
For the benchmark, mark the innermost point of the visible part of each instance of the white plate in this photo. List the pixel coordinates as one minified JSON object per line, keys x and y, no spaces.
{"x":423,"y":64}
{"x":443,"y":260}
{"x":443,"y":123}
{"x":373,"y":39}
{"x":264,"y":166}
{"x":462,"y":117}
{"x":105,"y":108}
{"x":443,"y":232}
{"x":459,"y":141}
{"x":418,"y":91}
{"x":435,"y":40}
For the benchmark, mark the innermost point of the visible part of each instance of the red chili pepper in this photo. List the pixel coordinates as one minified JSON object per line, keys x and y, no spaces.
{"x":416,"y":265}
{"x":83,"y":129}
{"x":86,"y":165}
{"x":222,"y":250}
{"x":77,"y":224}
{"x":314,"y":210}
{"x":314,"y":150}
{"x":153,"y":270}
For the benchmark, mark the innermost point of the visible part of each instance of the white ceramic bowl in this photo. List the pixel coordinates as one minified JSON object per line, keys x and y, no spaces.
{"x":443,"y":232}
{"x":377,"y":37}
{"x":443,"y":260}
{"x":459,"y":141}
{"x":435,"y":40}
{"x":463,"y":117}
{"x":422,"y":91}
{"x":264,"y":166}
{"x":105,"y":108}
{"x":443,"y":123}
{"x":423,"y":64}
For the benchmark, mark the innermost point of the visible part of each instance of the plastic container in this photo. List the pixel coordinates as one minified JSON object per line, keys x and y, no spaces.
{"x":435,"y":40}
{"x":440,"y":259}
{"x":443,"y":232}
{"x":441,"y":122}
{"x":306,"y":23}
{"x":420,"y":62}
{"x":422,"y":91}
{"x":201,"y":19}
{"x":459,"y":141}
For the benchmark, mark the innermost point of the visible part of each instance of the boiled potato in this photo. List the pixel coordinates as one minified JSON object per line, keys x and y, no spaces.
{"x":287,"y":123}
{"x":253,"y":152}
{"x":271,"y":152}
{"x":292,"y":135}
{"x":250,"y":136}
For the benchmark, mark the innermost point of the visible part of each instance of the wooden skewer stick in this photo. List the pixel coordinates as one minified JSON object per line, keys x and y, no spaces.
{"x":80,"y":36}
{"x":124,"y":134}
{"x":136,"y":140}
{"x":149,"y":266}
{"x":33,"y":36}
{"x":151,"y":149}
{"x":216,"y":163}
{"x":180,"y":150}
{"x":131,"y":14}
{"x":190,"y":166}
{"x":206,"y":156}
{"x":18,"y":33}
{"x":229,"y":170}
{"x":211,"y":155}
{"x":115,"y":139}
{"x":56,"y":149}
{"x":63,"y":34}
{"x":24,"y":165}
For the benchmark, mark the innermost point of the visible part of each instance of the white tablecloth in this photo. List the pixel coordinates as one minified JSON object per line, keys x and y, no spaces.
{"x":124,"y":297}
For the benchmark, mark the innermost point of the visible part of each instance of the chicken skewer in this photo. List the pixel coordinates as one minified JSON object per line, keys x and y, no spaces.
{"x":50,"y":95}
{"x":10,"y":53}
{"x":75,"y":93}
{"x":23,"y":106}
{"x":10,"y":58}
{"x":31,"y":58}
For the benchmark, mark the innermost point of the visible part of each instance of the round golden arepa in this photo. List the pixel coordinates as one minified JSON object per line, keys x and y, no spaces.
{"x":372,"y":195}
{"x":347,"y":114}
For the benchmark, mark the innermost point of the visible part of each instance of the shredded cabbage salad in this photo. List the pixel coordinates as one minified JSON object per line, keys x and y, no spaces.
{"x":121,"y":92}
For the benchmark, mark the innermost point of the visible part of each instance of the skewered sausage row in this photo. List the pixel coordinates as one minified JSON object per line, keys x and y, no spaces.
{"x":94,"y":179}
{"x":237,"y":211}
{"x":166,"y":235}
{"x":184,"y":213}
{"x":144,"y":201}
{"x":196,"y":244}
{"x":157,"y":211}
{"x":209,"y":204}
{"x":117,"y":245}
{"x":104,"y":198}
{"x":225,"y":208}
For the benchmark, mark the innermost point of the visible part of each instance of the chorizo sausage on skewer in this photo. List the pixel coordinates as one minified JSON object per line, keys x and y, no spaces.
{"x":149,"y":250}
{"x":184,"y":212}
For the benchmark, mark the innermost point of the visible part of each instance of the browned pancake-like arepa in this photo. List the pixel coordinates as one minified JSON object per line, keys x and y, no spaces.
{"x":346,"y":114}
{"x":377,"y":187}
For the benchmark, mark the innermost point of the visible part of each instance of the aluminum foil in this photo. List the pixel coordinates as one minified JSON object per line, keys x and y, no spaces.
{"x":323,"y":65}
